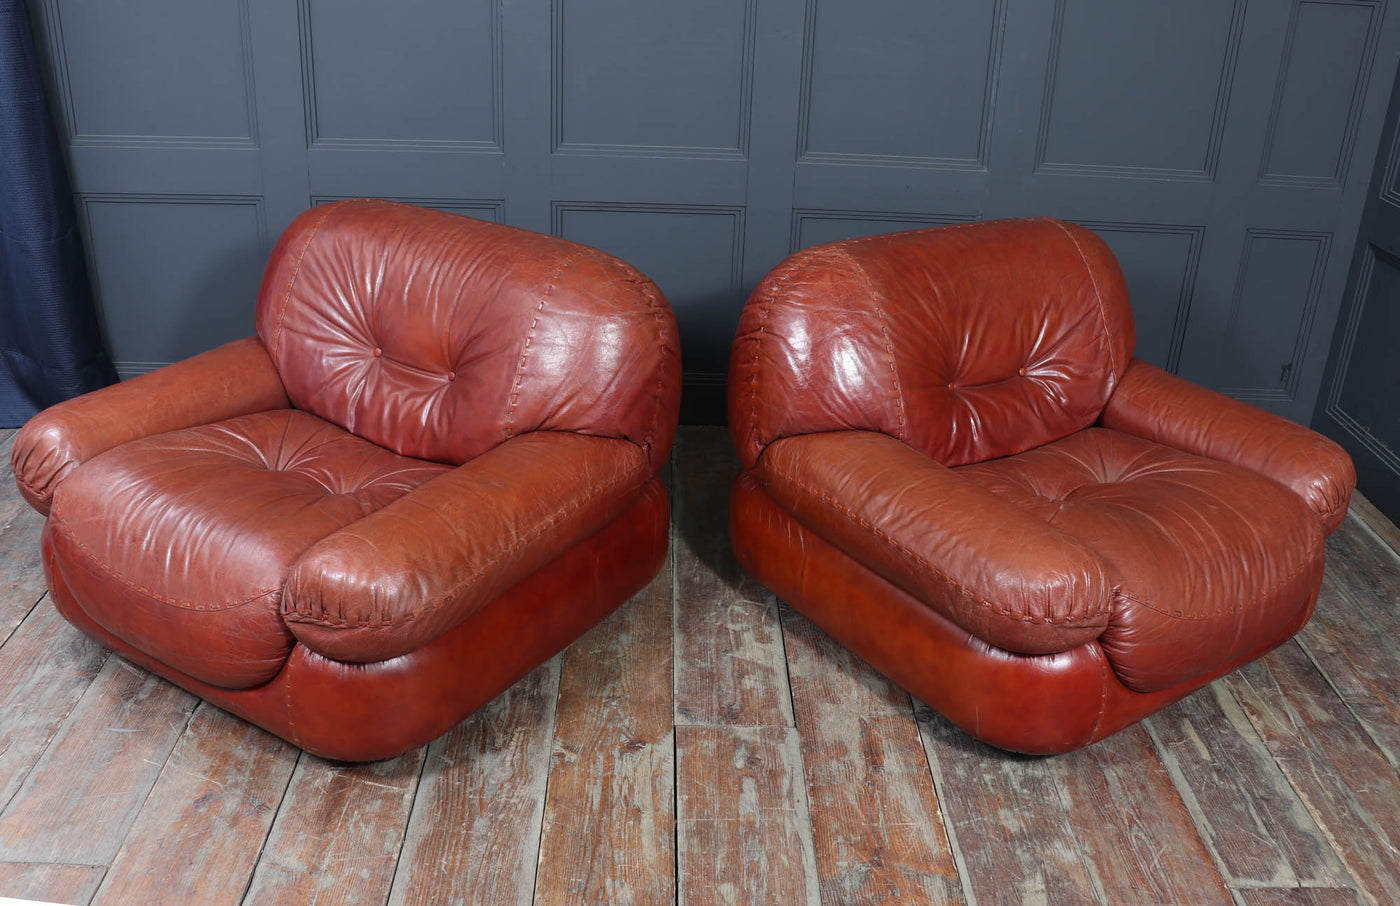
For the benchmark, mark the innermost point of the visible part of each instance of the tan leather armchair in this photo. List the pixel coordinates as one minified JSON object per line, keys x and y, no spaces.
{"x":955,"y":466}
{"x":433,"y":468}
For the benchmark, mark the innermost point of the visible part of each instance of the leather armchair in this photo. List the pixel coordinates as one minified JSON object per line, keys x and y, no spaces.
{"x":433,"y":467}
{"x":955,"y":466}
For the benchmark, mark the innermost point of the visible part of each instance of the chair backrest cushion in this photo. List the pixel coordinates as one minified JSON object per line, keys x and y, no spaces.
{"x":967,"y":342}
{"x":439,"y":336}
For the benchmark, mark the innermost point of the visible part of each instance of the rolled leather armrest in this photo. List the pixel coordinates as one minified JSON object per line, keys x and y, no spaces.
{"x":235,"y":379}
{"x":1164,"y":408}
{"x":402,"y":576}
{"x":1006,"y":577}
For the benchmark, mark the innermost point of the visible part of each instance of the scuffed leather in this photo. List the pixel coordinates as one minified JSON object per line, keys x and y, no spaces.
{"x":1038,"y":704}
{"x":399,"y":578}
{"x":1206,"y":558}
{"x":438,"y":336}
{"x":198,"y":514}
{"x":364,"y":712}
{"x":234,"y":379}
{"x":926,"y":481}
{"x":181,"y":542}
{"x":923,"y":336}
{"x":1156,"y":404}
{"x":1009,"y":578}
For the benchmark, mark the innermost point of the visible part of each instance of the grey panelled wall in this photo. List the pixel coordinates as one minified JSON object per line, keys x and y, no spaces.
{"x":1221,"y":147}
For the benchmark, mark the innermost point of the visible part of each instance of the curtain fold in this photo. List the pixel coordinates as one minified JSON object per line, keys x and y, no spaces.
{"x":50,"y":343}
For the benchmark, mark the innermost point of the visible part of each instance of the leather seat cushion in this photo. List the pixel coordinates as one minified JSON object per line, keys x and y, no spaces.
{"x":180,"y":543}
{"x":1208,"y":559}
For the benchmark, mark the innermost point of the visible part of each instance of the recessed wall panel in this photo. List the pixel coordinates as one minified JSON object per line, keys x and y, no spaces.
{"x":156,"y":69}
{"x":1275,"y":295}
{"x":694,"y":255}
{"x":1138,"y":86}
{"x":1159,"y":265}
{"x":174,"y":276}
{"x":411,"y":71}
{"x":903,"y":79}
{"x":1371,"y":403}
{"x":490,"y":210}
{"x":640,"y":76}
{"x":1318,"y":99}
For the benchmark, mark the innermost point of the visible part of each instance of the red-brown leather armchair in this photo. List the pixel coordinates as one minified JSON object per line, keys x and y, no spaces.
{"x":433,"y":468}
{"x":955,"y":466}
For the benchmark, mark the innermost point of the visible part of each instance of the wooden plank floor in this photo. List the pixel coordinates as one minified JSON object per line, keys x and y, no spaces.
{"x":704,"y":745}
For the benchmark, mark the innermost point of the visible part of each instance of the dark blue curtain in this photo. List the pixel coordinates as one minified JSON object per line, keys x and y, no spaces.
{"x":50,"y":344}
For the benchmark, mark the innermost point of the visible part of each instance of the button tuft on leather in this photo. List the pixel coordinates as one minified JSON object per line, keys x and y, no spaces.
{"x":452,"y":375}
{"x":378,"y":352}
{"x":1021,"y":372}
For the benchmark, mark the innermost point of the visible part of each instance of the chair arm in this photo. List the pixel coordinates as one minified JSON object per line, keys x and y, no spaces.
{"x":402,"y":576}
{"x":1010,"y":579}
{"x":235,"y":379}
{"x":1164,"y":408}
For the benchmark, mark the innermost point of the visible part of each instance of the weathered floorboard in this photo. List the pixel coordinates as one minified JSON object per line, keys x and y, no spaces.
{"x":89,"y":784}
{"x":876,"y":826}
{"x":1351,"y":790}
{"x":45,"y":667}
{"x":337,"y":835}
{"x":1016,"y":840}
{"x":1257,"y":826}
{"x":609,"y":819}
{"x":198,"y":835}
{"x":1133,"y":826}
{"x":474,"y":833}
{"x":1376,"y":521}
{"x":1351,"y":641}
{"x":1298,"y":896}
{"x":48,"y":882}
{"x":729,"y":648}
{"x":743,"y":829}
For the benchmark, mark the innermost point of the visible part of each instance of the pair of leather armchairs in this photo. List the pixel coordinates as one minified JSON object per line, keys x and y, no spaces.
{"x":435,"y":466}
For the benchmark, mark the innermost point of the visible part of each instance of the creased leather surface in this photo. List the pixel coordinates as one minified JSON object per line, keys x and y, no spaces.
{"x":1181,"y":538}
{"x":439,"y":336}
{"x":1039,"y":704}
{"x":1207,"y":559}
{"x":1158,"y":405}
{"x":234,"y":379}
{"x":1010,"y":578}
{"x":401,"y":577}
{"x":965,"y":342}
{"x":362,"y":712}
{"x":181,"y":542}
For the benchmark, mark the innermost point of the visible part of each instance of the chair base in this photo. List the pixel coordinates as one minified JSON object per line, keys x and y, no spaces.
{"x":366,"y":712}
{"x":1038,"y":704}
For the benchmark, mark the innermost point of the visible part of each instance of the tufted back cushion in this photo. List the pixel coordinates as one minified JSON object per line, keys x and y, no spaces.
{"x":439,"y":336}
{"x":967,"y":342}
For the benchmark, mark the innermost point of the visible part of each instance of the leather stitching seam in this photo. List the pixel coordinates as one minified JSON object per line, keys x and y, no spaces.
{"x":920,"y":560}
{"x":549,"y":288}
{"x":296,"y":271}
{"x":558,"y":516}
{"x":889,"y":342}
{"x":1098,"y":298}
{"x":1107,"y":675}
{"x":764,"y":309}
{"x":42,"y":495}
{"x":636,"y":278}
{"x":61,"y":525}
{"x":1142,"y":602}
